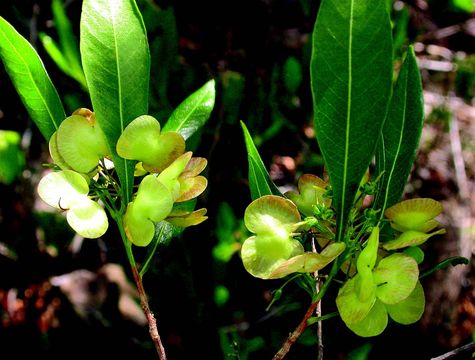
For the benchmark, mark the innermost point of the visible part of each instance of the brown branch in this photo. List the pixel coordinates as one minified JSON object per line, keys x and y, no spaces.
{"x":297,"y":332}
{"x":152,"y":322}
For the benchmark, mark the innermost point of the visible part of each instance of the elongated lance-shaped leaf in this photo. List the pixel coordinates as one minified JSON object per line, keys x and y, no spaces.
{"x":193,"y":112}
{"x":351,"y":74}
{"x":68,"y":41}
{"x":260,"y":183}
{"x":31,"y":81}
{"x":401,"y":133}
{"x":116,"y":61}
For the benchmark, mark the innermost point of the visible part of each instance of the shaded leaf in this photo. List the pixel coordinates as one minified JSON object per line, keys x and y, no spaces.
{"x":401,"y":133}
{"x":453,"y":260}
{"x":259,"y":181}
{"x":351,"y":77}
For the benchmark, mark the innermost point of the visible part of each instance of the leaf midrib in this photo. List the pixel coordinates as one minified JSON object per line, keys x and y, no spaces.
{"x":119,"y":90}
{"x":393,"y":167}
{"x":193,"y":109}
{"x":348,"y":123}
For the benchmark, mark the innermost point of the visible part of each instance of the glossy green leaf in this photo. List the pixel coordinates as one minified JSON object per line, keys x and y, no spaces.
{"x":351,"y":77}
{"x":401,"y":133}
{"x":31,"y":80}
{"x":260,"y":183}
{"x":193,"y":112}
{"x":116,"y":61}
{"x":55,"y":53}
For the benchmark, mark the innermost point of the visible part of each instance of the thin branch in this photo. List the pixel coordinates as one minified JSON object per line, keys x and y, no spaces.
{"x":297,"y":332}
{"x":461,"y":350}
{"x":311,"y":309}
{"x":318,"y":311}
{"x":152,"y":322}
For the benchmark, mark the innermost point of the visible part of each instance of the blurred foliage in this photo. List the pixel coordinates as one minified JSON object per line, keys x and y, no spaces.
{"x":12,"y":159}
{"x":465,"y":78}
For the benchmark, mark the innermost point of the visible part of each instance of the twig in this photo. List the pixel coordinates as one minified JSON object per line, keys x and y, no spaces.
{"x":311,"y":309}
{"x":459,"y":163}
{"x":451,"y":354}
{"x":297,"y":332}
{"x":318,"y":311}
{"x":152,"y":322}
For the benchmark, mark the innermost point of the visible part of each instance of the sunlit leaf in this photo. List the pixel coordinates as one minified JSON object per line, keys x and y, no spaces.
{"x":31,"y":81}
{"x":116,"y":61}
{"x":193,"y":112}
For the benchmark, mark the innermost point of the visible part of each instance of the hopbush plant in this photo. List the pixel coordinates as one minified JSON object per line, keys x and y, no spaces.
{"x":368,"y":128}
{"x":114,"y":161}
